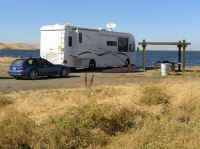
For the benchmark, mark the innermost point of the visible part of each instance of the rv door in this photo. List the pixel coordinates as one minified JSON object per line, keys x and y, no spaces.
{"x":69,"y":53}
{"x":61,"y":47}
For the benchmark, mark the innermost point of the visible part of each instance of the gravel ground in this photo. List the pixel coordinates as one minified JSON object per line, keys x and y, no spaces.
{"x":75,"y":79}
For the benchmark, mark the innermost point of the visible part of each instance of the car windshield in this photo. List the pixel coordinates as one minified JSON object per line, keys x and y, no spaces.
{"x":17,"y":61}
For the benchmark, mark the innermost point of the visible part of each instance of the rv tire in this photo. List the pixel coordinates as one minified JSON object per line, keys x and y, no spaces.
{"x":127,"y":63}
{"x":92,"y":65}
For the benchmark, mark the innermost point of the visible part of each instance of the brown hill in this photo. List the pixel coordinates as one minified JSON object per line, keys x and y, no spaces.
{"x":3,"y":46}
{"x":20,"y":46}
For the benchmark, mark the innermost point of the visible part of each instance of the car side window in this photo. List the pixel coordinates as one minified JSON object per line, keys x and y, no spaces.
{"x":37,"y":62}
{"x":42,"y":62}
{"x":46,"y":63}
{"x":50,"y":64}
{"x":30,"y":62}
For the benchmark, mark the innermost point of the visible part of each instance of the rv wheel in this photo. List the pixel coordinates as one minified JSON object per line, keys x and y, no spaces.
{"x":127,"y":62}
{"x":92,"y":65}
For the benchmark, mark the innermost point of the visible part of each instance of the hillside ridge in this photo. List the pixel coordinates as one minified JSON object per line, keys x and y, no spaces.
{"x":20,"y":46}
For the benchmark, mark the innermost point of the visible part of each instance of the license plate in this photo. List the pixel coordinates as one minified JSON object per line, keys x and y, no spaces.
{"x":14,"y":68}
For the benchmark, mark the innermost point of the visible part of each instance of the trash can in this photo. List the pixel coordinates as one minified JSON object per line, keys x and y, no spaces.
{"x":164,"y":69}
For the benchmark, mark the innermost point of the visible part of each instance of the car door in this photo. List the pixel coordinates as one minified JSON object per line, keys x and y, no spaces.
{"x":47,"y":68}
{"x":53,"y":69}
{"x":41,"y":67}
{"x":50,"y":69}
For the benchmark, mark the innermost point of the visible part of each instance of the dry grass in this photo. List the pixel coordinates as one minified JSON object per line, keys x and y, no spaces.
{"x":154,"y":95}
{"x":6,"y":60}
{"x":16,"y":131}
{"x":145,"y":116}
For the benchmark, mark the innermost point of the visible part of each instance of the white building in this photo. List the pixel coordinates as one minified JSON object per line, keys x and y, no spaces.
{"x":86,"y":48}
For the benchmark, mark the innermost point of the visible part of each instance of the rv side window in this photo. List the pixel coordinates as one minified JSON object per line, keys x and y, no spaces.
{"x":70,"y":41}
{"x":130,"y":47}
{"x":123,"y":44}
{"x":80,"y":37}
{"x":111,"y":43}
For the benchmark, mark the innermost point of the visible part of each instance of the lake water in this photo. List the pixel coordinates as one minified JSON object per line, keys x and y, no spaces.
{"x":192,"y":57}
{"x":19,"y":53}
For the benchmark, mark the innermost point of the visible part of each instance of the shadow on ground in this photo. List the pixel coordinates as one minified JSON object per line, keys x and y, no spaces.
{"x":41,"y":78}
{"x":51,"y":78}
{"x":107,"y":70}
{"x":1,"y":78}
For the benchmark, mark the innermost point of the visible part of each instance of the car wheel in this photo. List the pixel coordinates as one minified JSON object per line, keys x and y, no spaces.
{"x":17,"y":77}
{"x":64,"y":72}
{"x":33,"y":75}
{"x":92,"y":65}
{"x":51,"y":76}
{"x":72,"y":69}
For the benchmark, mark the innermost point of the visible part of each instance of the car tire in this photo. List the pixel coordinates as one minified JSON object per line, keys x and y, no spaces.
{"x":73,"y":69}
{"x":64,"y":72}
{"x":51,"y":76}
{"x":92,"y":65}
{"x":33,"y":75}
{"x":17,"y":77}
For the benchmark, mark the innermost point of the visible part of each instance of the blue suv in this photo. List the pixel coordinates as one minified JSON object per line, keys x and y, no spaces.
{"x":32,"y":68}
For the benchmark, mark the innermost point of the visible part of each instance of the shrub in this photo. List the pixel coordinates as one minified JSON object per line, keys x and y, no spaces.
{"x":91,"y":126}
{"x":79,"y":130}
{"x":117,"y":121}
{"x":16,"y":131}
{"x":4,"y":101}
{"x":154,"y":95}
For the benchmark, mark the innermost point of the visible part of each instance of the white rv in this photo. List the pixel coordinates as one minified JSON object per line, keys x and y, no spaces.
{"x":86,"y":48}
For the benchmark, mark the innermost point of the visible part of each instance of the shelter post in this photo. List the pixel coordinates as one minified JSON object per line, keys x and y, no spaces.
{"x":179,"y":55}
{"x":144,"y":55}
{"x":183,"y":58}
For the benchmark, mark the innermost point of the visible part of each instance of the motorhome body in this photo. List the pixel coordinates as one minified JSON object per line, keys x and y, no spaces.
{"x":86,"y":48}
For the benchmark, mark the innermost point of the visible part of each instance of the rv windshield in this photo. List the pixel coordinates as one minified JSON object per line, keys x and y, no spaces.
{"x":123,"y":44}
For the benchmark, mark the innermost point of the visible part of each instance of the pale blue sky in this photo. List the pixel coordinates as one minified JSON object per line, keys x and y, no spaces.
{"x":153,"y":20}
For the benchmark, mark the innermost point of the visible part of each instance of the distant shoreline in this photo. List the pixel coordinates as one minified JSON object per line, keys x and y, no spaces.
{"x":19,"y":46}
{"x":12,"y":49}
